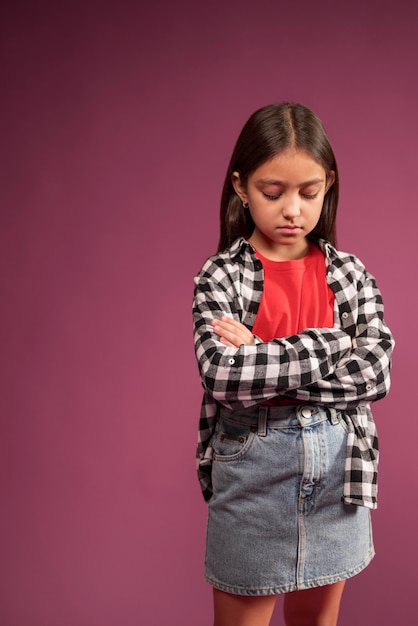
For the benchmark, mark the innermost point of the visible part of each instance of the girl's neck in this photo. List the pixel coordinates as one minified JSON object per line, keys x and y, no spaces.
{"x":275,"y":252}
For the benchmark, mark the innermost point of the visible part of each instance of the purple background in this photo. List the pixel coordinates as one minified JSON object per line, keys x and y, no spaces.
{"x":118,"y":123}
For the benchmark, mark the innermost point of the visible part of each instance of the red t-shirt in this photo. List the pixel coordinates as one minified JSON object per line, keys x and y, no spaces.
{"x":295,"y":296}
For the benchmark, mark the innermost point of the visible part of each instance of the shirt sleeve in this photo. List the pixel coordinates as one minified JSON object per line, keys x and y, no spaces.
{"x":240,"y":377}
{"x":363,"y":375}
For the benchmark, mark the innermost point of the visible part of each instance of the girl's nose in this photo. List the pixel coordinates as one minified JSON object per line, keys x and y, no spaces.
{"x":291,"y":207}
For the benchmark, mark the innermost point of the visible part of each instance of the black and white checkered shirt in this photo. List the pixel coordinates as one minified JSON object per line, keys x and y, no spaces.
{"x":346,"y":367}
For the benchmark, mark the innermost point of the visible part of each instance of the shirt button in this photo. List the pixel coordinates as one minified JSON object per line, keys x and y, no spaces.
{"x":369,"y":386}
{"x":231,"y":361}
{"x":306,"y":412}
{"x":344,"y":315}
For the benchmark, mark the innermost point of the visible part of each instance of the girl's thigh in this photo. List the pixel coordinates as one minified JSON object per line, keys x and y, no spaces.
{"x":318,"y":606}
{"x":238,"y":610}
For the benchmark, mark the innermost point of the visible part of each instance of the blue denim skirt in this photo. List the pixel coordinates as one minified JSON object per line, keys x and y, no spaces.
{"x":276,"y":519}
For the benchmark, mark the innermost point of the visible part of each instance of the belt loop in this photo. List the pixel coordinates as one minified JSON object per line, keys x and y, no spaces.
{"x":333,"y":415}
{"x":262,"y":421}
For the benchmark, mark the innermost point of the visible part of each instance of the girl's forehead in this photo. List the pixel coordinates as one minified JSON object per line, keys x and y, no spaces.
{"x":290,"y":164}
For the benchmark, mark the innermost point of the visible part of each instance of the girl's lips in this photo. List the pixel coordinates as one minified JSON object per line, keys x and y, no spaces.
{"x":289,"y":230}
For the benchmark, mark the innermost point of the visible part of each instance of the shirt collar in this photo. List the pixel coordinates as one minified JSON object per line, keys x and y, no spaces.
{"x":328,"y":249}
{"x":239,"y":246}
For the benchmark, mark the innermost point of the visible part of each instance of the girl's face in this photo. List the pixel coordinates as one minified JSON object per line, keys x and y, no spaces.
{"x":285,"y":197}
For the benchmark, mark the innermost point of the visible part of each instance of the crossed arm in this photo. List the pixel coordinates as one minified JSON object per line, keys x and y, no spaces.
{"x":325,"y":366}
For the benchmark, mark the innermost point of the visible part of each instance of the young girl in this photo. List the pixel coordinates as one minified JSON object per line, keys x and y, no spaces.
{"x":292,"y":348}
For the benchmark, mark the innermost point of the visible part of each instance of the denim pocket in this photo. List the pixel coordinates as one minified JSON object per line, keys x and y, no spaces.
{"x":232,"y":440}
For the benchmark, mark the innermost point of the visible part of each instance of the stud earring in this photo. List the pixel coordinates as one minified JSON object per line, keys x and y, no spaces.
{"x":245,"y":204}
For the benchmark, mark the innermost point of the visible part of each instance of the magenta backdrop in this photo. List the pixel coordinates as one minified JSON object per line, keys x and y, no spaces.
{"x":118,"y":123}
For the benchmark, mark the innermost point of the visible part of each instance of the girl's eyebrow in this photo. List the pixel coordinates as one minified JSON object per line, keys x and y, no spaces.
{"x":273,"y":181}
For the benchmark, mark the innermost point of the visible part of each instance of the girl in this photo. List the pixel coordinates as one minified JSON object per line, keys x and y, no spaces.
{"x":292,"y":348}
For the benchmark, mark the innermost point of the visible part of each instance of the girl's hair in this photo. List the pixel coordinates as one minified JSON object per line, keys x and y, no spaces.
{"x":270,"y":131}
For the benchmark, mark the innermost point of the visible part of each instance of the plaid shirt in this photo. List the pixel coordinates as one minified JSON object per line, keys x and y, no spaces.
{"x":346,"y":367}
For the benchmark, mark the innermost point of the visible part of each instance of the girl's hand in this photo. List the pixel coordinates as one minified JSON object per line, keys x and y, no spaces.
{"x":232,"y":333}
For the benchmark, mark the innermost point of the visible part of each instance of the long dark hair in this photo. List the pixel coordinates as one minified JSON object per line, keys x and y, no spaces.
{"x":268,"y":132}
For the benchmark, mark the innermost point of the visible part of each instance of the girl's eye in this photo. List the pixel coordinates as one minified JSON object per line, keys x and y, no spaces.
{"x":307,"y":196}
{"x":269,"y":197}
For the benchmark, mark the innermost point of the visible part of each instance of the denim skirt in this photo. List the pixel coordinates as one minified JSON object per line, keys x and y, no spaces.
{"x":276,"y":520}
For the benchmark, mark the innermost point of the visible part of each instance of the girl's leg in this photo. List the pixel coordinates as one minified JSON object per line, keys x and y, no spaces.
{"x":232,"y":610}
{"x":314,"y":607}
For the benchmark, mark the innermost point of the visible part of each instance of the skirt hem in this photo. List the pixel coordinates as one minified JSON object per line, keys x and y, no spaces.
{"x":276,"y":590}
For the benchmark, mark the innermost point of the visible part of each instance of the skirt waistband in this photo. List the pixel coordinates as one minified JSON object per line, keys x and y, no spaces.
{"x":261,"y":417}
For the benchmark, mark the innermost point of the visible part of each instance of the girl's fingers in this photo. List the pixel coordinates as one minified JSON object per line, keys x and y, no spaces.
{"x":232,"y":332}
{"x":227,"y":324}
{"x":236,"y":338}
{"x":228,"y":331}
{"x":227,"y":343}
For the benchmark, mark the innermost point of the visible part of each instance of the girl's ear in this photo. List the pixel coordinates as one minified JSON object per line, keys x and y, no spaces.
{"x":330,"y":180}
{"x":238,"y":185}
